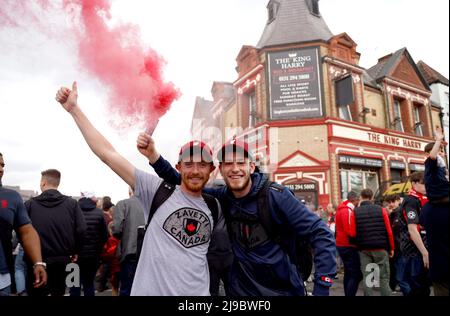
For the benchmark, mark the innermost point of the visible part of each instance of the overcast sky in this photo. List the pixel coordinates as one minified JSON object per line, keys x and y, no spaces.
{"x":200,"y":40}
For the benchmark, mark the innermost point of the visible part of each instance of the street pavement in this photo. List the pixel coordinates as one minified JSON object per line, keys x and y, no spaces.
{"x":336,"y":290}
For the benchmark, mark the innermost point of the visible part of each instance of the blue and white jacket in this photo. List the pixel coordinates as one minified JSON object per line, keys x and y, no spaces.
{"x":261,"y":267}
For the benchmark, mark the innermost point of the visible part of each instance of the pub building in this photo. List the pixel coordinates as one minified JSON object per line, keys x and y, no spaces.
{"x":315,"y":119}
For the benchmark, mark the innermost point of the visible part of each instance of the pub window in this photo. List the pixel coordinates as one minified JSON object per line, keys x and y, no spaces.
{"x":398,"y":124}
{"x":253,"y":114}
{"x":345,"y":113}
{"x":356,"y":180}
{"x":418,"y":125}
{"x":396,"y":176}
{"x":344,"y":97}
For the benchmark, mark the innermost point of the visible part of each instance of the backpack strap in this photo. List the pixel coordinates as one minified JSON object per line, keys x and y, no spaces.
{"x":163,"y":192}
{"x":263,"y":211}
{"x":213,"y":206}
{"x":226,"y":206}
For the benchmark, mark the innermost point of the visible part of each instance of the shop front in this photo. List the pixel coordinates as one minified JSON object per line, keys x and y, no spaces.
{"x":357,"y":173}
{"x":366,"y":157}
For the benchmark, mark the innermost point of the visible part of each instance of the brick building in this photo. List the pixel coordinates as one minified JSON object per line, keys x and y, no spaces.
{"x":439,"y":97}
{"x":317,"y":121}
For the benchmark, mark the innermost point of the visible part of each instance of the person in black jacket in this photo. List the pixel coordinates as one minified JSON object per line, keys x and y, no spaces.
{"x":61,"y":227}
{"x":96,"y":237}
{"x":375,"y":242}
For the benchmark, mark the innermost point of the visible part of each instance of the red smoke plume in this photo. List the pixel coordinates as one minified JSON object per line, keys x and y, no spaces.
{"x":114,"y":55}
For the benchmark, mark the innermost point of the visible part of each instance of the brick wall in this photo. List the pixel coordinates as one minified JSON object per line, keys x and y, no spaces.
{"x":375,"y":102}
{"x":310,"y":139}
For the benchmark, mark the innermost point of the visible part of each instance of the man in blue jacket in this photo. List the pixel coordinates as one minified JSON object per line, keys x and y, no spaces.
{"x":261,"y":266}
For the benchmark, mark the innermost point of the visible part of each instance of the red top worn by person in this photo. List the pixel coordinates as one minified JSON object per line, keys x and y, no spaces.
{"x":344,"y":223}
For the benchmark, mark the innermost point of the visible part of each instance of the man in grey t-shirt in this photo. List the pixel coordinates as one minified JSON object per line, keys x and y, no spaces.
{"x":173,"y":258}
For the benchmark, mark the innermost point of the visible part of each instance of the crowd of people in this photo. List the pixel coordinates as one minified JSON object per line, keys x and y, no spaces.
{"x":92,"y":232}
{"x":407,"y":239}
{"x":175,"y":236}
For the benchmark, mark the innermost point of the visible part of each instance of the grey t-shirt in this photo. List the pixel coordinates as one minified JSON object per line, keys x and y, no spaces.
{"x":173,"y":257}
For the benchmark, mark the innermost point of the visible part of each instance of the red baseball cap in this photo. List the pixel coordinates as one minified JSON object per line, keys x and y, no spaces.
{"x":236,"y":146}
{"x":196,"y":147}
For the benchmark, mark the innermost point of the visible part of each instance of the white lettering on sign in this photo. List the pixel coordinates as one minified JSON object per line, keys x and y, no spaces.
{"x":377,"y":138}
{"x":302,"y":186}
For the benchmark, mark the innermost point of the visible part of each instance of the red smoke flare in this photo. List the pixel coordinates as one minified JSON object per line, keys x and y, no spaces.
{"x":114,"y":55}
{"x":117,"y":58}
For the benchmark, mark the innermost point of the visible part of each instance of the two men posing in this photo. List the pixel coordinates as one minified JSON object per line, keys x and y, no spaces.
{"x":173,"y":259}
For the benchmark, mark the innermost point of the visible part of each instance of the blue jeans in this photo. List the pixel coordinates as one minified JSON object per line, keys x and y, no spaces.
{"x":352,"y":269}
{"x":127,"y":271}
{"x":88,"y":269}
{"x":411,"y":276}
{"x":21,"y":272}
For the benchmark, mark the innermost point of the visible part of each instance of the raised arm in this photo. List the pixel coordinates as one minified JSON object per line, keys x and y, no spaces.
{"x":439,"y":137}
{"x":146,"y":146}
{"x":96,"y":141}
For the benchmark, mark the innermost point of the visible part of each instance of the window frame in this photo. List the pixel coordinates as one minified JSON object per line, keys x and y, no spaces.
{"x":363,"y":174}
{"x":341,"y":95}
{"x":272,"y":11}
{"x":346,"y":109}
{"x":315,"y":7}
{"x":397,"y":104}
{"x":252,"y":109}
{"x":417,"y":122}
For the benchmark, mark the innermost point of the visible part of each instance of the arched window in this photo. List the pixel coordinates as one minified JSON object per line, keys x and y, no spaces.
{"x":272,"y":8}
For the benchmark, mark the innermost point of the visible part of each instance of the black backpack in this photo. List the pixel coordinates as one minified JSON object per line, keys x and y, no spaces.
{"x":163,"y":192}
{"x":303,"y":254}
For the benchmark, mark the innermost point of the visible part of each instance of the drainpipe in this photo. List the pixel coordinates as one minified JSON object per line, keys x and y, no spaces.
{"x":387,"y":103}
{"x":431,"y":127}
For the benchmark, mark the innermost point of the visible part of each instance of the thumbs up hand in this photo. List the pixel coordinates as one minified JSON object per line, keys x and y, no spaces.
{"x":68,"y":98}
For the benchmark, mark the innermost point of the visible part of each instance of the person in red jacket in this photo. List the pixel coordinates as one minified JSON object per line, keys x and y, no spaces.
{"x":345,"y":244}
{"x":373,"y":236}
{"x":109,"y":255}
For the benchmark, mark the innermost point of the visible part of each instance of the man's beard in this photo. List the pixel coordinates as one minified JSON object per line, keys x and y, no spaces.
{"x":194,"y":187}
{"x":237,"y":188}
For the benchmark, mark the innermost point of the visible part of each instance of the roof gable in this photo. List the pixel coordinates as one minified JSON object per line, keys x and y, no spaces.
{"x":401,"y":66}
{"x":406,"y":72}
{"x":245,"y":50}
{"x":299,"y":159}
{"x":431,"y":75}
{"x":344,"y":39}
{"x":343,"y":47}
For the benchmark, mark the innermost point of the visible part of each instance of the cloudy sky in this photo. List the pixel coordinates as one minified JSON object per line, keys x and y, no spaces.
{"x":200,"y":40}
